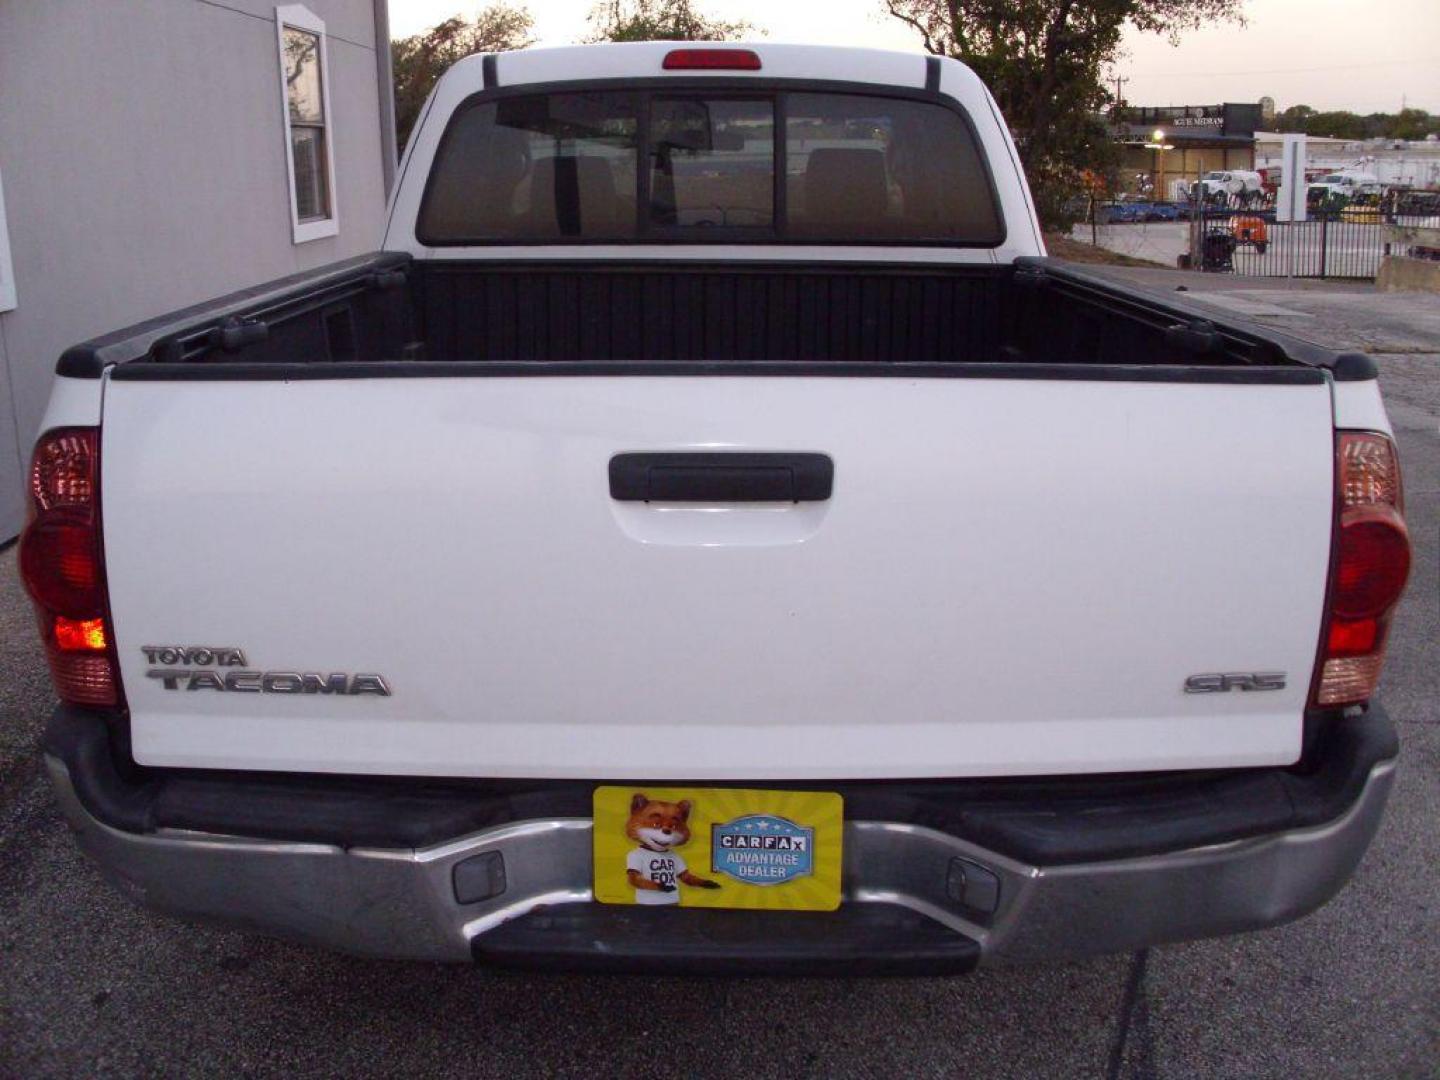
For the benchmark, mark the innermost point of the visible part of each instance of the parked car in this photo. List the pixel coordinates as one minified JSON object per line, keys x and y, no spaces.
{"x":1163,"y":212}
{"x":1123,"y":212}
{"x":568,"y":570}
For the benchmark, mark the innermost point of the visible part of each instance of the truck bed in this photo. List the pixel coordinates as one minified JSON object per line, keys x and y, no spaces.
{"x":646,"y":316}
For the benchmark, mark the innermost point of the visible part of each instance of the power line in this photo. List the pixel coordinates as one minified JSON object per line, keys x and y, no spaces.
{"x":1285,"y":71}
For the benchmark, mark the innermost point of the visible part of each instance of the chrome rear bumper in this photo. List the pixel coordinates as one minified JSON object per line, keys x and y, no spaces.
{"x":402,"y":903}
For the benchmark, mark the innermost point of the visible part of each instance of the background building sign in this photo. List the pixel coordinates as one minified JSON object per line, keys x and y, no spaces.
{"x":1235,"y":122}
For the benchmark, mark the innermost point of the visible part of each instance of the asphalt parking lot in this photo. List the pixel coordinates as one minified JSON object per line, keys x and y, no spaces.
{"x":90,"y":985}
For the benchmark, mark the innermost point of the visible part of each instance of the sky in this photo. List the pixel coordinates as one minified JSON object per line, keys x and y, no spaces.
{"x":1362,"y":55}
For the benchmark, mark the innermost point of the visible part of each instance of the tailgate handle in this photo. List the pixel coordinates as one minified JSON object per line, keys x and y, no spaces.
{"x":721,"y":477}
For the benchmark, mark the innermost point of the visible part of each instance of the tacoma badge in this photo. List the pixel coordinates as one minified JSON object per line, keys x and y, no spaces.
{"x":183,"y":660}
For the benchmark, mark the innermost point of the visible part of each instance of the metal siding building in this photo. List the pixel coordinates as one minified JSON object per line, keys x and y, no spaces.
{"x":1201,"y":138}
{"x":144,"y":167}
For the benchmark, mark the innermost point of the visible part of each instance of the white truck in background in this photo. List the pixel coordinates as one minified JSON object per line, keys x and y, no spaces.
{"x":1230,"y":187}
{"x":711,"y":535}
{"x":1341,"y":187}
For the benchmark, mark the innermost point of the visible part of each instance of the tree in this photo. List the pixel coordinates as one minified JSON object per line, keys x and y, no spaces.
{"x":1410,"y":124}
{"x":419,"y":60}
{"x":1294,"y":119}
{"x":659,"y":20}
{"x":1043,"y":60}
{"x":1406,"y":124}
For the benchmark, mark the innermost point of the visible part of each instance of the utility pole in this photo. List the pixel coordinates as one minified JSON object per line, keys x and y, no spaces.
{"x":1120,"y":81}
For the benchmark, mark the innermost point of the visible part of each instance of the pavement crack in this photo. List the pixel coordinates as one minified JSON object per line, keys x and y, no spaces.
{"x":1134,"y":1021}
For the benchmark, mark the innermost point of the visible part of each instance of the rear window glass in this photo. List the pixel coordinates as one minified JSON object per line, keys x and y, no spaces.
{"x":549,"y":167}
{"x":712,"y":163}
{"x":883,"y":168}
{"x":698,"y":166}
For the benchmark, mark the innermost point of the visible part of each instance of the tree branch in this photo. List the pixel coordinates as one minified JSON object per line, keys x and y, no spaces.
{"x":895,"y":9}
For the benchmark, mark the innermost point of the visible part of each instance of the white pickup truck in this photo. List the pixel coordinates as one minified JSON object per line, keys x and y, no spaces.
{"x":712,"y":535}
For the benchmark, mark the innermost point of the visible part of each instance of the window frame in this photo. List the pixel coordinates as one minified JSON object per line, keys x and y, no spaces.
{"x":777,"y":90}
{"x":299,"y":17}
{"x":8,"y":297}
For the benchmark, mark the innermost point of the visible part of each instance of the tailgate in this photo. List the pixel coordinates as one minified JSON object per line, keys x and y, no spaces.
{"x":1010,"y":576}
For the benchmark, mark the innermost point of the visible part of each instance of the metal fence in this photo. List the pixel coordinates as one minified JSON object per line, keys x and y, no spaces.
{"x":1344,"y":243}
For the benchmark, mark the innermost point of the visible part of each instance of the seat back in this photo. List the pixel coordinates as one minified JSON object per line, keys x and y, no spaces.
{"x":844,"y":190}
{"x":576,"y":196}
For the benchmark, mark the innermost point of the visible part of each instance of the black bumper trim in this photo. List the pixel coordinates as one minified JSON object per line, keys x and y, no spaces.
{"x":1045,"y":821}
{"x":853,"y":940}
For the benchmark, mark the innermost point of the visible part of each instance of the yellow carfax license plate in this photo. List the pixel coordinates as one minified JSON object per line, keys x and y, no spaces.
{"x":718,"y":847}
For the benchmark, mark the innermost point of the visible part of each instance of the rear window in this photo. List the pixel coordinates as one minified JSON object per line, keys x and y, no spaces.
{"x":549,"y":167}
{"x":702,"y":165}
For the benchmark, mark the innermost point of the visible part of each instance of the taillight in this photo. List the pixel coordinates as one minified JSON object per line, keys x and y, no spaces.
{"x":712,"y":60}
{"x":62,"y":564}
{"x":1371,"y":564}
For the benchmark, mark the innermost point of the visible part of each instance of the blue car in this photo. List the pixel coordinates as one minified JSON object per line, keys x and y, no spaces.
{"x":1113,"y":213}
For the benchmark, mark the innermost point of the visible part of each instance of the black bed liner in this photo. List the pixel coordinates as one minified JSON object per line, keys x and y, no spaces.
{"x":386,"y":315}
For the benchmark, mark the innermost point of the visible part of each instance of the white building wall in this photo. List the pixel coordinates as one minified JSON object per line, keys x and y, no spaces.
{"x":1409,"y":164}
{"x":142,"y":152}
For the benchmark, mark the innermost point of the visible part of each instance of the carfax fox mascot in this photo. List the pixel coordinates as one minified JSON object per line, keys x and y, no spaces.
{"x":653,"y":868}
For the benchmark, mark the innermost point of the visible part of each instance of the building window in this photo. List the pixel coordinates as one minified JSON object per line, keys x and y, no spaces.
{"x":7,"y":268}
{"x":305,"y":97}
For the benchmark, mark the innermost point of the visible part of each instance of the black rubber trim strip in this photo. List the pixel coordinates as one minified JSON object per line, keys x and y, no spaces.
{"x":932,"y":75}
{"x":488,"y":76}
{"x":89,"y":359}
{"x":440,"y":369}
{"x":855,"y":939}
{"x":1045,"y":821}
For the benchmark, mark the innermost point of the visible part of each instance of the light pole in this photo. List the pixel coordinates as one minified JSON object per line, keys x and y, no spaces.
{"x":1159,"y":145}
